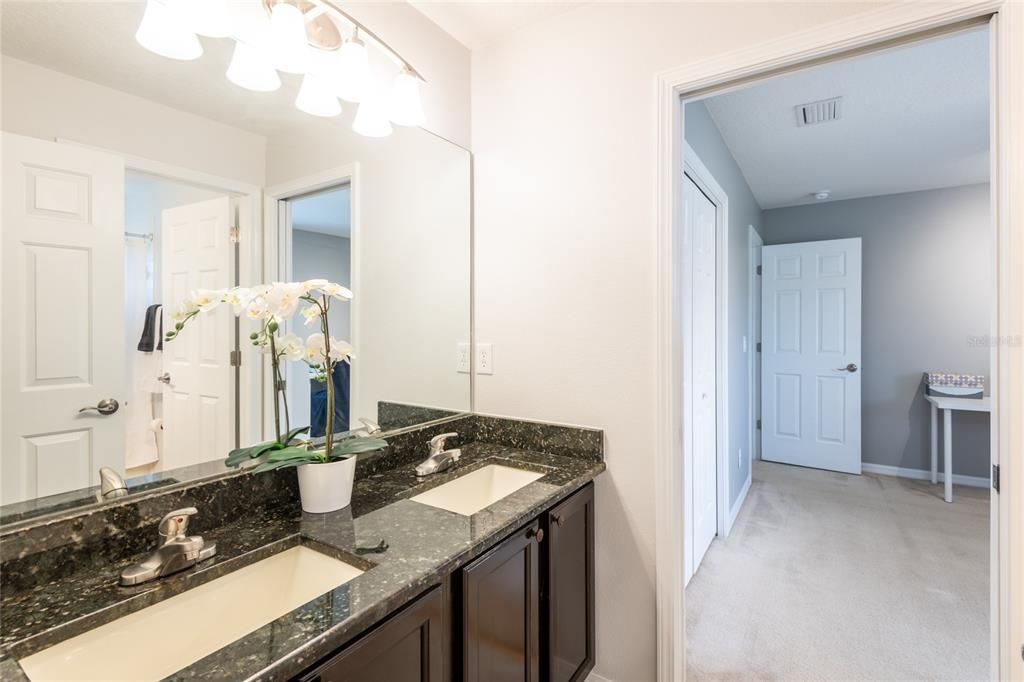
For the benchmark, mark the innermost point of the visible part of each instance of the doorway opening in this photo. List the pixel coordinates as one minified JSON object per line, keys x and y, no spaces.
{"x":848,"y":183}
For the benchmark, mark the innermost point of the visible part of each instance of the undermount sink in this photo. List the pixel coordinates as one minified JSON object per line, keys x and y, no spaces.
{"x":469,"y":494}
{"x":164,"y":638}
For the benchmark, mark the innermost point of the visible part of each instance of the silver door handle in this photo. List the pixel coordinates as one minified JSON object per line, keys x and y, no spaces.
{"x":104,"y":407}
{"x":851,"y":368}
{"x":164,"y":378}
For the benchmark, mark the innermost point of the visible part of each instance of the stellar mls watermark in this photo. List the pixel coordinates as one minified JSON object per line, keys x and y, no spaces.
{"x":987,"y":341}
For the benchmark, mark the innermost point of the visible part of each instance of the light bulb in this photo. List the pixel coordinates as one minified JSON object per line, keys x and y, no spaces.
{"x":250,"y":24}
{"x":353,"y":69}
{"x":316,"y":97}
{"x":250,"y":69}
{"x":162,"y":32}
{"x":288,"y":38}
{"x":371,"y":119}
{"x":405,"y":108}
{"x":209,"y":18}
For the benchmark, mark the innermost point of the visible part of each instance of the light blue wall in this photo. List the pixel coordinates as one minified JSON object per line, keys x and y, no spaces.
{"x":927,"y":294}
{"x":703,"y":137}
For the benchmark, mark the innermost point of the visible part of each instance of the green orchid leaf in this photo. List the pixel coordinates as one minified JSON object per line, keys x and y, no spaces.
{"x":290,"y":436}
{"x":285,"y":454}
{"x":271,"y":466}
{"x":236,"y":457}
{"x":353,"y":446}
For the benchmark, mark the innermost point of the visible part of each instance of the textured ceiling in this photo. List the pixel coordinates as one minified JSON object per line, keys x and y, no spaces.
{"x":913,"y":118}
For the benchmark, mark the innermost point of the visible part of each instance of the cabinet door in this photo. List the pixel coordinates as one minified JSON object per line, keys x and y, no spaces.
{"x":501,"y":611}
{"x":408,"y":647}
{"x":569,"y":652}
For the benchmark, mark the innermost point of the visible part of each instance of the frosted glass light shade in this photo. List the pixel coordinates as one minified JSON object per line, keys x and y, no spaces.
{"x":250,"y":24}
{"x":405,"y":108}
{"x":353,"y":73}
{"x":288,"y":38}
{"x":316,"y":97}
{"x":163,"y":32}
{"x":371,"y":119}
{"x":251,"y":70}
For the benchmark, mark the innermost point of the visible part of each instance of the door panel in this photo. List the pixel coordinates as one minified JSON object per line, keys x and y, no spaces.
{"x":63,"y":339}
{"x":199,"y":400}
{"x":701,"y":216}
{"x":501,"y":612}
{"x":812,"y":324}
{"x":570,"y":588}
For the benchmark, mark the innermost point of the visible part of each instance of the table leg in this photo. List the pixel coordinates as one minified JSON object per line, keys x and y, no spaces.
{"x":947,"y":452}
{"x":935,"y":444}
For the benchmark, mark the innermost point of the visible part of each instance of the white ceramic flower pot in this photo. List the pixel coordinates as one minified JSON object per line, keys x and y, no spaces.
{"x":326,"y":487}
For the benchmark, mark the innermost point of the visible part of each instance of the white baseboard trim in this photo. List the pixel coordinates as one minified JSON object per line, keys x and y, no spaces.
{"x":923,"y":475}
{"x":735,"y":510}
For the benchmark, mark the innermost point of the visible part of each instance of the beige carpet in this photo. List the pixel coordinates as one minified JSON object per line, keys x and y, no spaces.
{"x":827,"y":576}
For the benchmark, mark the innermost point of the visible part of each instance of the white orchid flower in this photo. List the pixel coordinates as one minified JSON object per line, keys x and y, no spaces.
{"x":205,"y":300}
{"x":291,"y":347}
{"x":311,"y":315}
{"x":238,"y":298}
{"x":181,"y":311}
{"x":311,"y":284}
{"x":335,"y":291}
{"x":283,"y":298}
{"x":341,"y":351}
{"x":257,"y":310}
{"x":314,"y":352}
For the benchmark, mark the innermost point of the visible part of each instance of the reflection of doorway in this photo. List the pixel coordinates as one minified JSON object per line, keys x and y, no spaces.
{"x":321,"y":248}
{"x":179,"y":406}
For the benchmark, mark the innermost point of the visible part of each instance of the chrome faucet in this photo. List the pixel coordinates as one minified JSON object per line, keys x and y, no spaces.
{"x":111,"y":485}
{"x":439,"y":459}
{"x":371,"y":427}
{"x":177,"y":552}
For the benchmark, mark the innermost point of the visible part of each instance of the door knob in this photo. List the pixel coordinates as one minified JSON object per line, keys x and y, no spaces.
{"x":851,"y":368}
{"x":165,"y":378}
{"x":536,"y":533}
{"x":104,"y":407}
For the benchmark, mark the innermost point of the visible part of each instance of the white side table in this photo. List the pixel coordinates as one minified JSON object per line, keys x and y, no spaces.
{"x":947,"y":405}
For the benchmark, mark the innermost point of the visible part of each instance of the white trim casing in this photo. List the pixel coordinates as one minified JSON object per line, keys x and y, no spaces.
{"x":923,"y":475}
{"x":754,"y":245}
{"x":864,"y":31}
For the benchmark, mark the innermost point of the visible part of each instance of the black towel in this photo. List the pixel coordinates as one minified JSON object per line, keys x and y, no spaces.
{"x":152,"y":330}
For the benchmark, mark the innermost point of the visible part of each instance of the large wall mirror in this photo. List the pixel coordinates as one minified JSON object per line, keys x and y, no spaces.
{"x":132,"y":181}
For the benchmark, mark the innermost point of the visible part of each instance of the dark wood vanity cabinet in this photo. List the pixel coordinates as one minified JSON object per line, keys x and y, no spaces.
{"x":521,"y":612}
{"x":408,"y":647}
{"x":569,"y":595}
{"x":500,"y":609}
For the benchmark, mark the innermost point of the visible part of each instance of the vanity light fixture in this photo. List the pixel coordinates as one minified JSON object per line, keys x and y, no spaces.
{"x":299,"y":37}
{"x":163,"y":32}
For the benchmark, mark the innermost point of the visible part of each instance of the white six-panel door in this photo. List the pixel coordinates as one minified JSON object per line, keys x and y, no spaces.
{"x":811,"y":346}
{"x":198,"y":408}
{"x":701,"y":217}
{"x":63,"y":293}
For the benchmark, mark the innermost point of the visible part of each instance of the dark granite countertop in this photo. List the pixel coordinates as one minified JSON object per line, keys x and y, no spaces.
{"x":424,"y":544}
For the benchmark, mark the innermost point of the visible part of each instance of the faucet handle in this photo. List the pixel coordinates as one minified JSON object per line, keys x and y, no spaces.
{"x":437,"y":442}
{"x":175,"y":524}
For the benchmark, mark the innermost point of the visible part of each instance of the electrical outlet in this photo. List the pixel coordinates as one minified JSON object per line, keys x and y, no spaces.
{"x":484,"y":359}
{"x":462,"y":358}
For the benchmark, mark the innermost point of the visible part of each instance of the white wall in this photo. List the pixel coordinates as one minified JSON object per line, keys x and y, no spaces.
{"x":410,"y":259}
{"x":563,"y":140}
{"x":47,"y":104}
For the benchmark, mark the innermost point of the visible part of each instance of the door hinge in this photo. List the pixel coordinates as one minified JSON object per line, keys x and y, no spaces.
{"x":759,"y":269}
{"x":235,"y":358}
{"x":235,"y":235}
{"x":758,"y":424}
{"x":995,"y":477}
{"x":758,"y":346}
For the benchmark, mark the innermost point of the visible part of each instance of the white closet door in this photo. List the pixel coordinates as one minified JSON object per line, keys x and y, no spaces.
{"x":63,"y":329}
{"x":701,"y":216}
{"x":198,"y":397}
{"x":811,"y":354}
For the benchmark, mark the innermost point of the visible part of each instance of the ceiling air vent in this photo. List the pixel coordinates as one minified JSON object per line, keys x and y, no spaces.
{"x":821,"y":111}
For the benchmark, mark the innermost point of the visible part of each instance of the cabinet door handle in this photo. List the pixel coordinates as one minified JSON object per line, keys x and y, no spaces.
{"x":557,"y":519}
{"x":537,"y":533}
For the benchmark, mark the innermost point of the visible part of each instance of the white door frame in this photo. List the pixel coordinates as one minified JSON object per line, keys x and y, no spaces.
{"x":250,"y":268}
{"x":873,"y":28}
{"x":754,"y":245}
{"x":705,"y":181}
{"x":278,"y":263}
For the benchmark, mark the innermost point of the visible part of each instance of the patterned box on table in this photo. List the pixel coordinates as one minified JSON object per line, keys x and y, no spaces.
{"x":955,"y":385}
